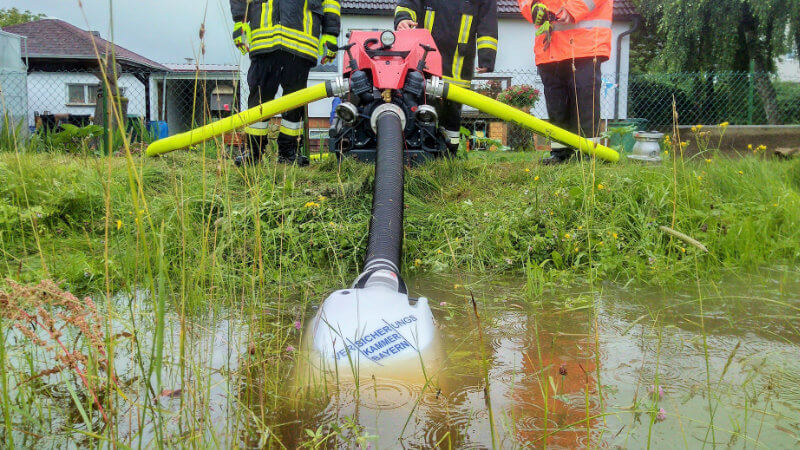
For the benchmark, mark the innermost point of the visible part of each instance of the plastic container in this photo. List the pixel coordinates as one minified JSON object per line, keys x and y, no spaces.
{"x":158,"y":129}
{"x":621,"y":133}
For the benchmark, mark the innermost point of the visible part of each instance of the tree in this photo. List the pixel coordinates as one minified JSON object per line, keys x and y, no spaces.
{"x":13,"y":16}
{"x":730,"y":35}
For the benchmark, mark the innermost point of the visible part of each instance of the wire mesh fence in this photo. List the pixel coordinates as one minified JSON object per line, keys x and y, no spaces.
{"x":164,"y":103}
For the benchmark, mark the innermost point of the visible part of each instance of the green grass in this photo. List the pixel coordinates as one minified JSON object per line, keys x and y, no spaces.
{"x":492,"y":213}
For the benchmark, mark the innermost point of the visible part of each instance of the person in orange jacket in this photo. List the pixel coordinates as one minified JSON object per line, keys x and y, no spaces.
{"x":573,"y":37}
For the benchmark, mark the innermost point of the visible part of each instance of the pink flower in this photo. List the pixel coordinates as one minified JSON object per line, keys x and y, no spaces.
{"x":443,"y":304}
{"x":661,"y":415}
{"x":297,"y":325}
{"x":655,"y":393}
{"x":289,"y":349}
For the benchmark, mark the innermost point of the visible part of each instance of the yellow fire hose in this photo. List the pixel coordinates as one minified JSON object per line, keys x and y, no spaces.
{"x":244,"y":118}
{"x":502,"y":111}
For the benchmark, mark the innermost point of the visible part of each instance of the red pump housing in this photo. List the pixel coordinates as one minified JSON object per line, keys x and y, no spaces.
{"x":389,"y":71}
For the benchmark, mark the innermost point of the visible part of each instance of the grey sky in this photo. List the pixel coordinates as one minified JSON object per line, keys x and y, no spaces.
{"x":166,"y":31}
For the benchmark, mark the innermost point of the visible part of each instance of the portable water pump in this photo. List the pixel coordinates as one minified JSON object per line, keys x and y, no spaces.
{"x":388,"y":72}
{"x":385,"y":116}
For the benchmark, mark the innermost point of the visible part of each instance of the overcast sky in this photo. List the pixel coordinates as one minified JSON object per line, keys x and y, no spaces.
{"x":166,"y":31}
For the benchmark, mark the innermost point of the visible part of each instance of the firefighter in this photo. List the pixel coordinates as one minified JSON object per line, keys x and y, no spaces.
{"x":573,"y":37}
{"x":459,"y":27}
{"x":284,"y":38}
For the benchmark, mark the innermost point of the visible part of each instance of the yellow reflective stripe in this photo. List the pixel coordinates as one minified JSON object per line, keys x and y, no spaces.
{"x":280,"y":29}
{"x":282,"y":41}
{"x":269,"y":14}
{"x":332,"y":7}
{"x":256,"y":131}
{"x":487,"y":42}
{"x":411,"y":12}
{"x":291,"y":132}
{"x":306,"y":18}
{"x":463,"y":38}
{"x":458,"y":81}
{"x":430,"y":16}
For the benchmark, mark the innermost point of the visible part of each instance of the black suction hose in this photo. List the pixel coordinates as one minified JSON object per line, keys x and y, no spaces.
{"x":386,"y":226}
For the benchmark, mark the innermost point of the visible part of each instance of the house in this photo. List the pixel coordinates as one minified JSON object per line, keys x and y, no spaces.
{"x":13,"y":82}
{"x":192,"y":93}
{"x":515,"y":61}
{"x":63,"y":70}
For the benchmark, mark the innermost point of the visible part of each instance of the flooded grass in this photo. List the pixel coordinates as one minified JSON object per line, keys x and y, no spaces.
{"x":598,"y":327}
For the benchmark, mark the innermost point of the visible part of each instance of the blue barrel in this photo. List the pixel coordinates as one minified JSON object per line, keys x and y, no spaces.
{"x":159,"y":129}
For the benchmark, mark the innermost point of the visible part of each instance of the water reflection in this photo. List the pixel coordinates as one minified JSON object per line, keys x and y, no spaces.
{"x":581,"y":376}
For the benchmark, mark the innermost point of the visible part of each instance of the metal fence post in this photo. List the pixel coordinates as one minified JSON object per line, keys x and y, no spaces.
{"x":751,"y":88}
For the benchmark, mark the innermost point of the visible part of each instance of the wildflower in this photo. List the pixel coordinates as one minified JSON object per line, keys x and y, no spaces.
{"x":750,"y":146}
{"x":527,"y":170}
{"x":724,"y":125}
{"x":566,"y":236}
{"x":683,"y":249}
{"x":332,"y":224}
{"x":684,"y":144}
{"x":297,"y":325}
{"x":439,"y":251}
{"x":741,"y":173}
{"x":311,"y":205}
{"x":119,"y":224}
{"x":456,"y":286}
{"x":576,"y":249}
{"x":600,"y":243}
{"x":699,"y":127}
{"x":322,"y":198}
{"x":775,"y":205}
{"x":536,"y":178}
{"x":580,"y":227}
{"x":655,"y":391}
{"x":562,"y":369}
{"x":442,"y":303}
{"x":662,"y":415}
{"x":600,"y":187}
{"x":708,"y":160}
{"x":666,"y":152}
{"x":614,"y":235}
{"x":694,"y":129}
{"x":289,"y":349}
{"x":699,"y":178}
{"x":417,"y":262}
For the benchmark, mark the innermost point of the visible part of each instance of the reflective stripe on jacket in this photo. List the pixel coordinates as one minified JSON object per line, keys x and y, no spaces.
{"x":460,"y":28}
{"x":290,"y":25}
{"x":589,"y":35}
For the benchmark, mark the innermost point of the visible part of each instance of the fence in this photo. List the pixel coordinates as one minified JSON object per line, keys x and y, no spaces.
{"x":183,"y":99}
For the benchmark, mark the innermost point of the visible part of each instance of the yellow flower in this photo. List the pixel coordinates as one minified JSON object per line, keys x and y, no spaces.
{"x":749,"y":146}
{"x":536,"y":178}
{"x":683,"y":249}
{"x":417,"y":262}
{"x":666,"y":152}
{"x":699,"y":178}
{"x":566,"y":236}
{"x":724,"y":125}
{"x":614,"y":235}
{"x":576,"y":249}
{"x":600,"y":186}
{"x":332,"y":224}
{"x":741,"y":173}
{"x":684,"y":144}
{"x":311,"y":205}
{"x":694,"y":129}
{"x":775,"y":205}
{"x":580,"y":227}
{"x":699,"y":127}
{"x":762,"y":147}
{"x":439,"y":251}
{"x":456,"y":286}
{"x":322,"y":198}
{"x":600,"y":243}
{"x":527,"y":170}
{"x":119,"y":224}
{"x":708,"y":160}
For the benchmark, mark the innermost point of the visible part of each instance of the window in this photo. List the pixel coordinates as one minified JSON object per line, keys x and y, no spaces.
{"x":84,"y":94}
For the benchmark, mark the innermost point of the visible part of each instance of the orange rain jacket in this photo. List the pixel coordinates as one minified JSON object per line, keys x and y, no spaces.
{"x":588,"y":36}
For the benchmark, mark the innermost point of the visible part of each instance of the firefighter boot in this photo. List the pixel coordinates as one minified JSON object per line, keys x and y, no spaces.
{"x":289,"y":150}
{"x":251,"y":155}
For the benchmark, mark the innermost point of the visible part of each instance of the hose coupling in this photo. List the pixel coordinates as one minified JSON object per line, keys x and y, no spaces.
{"x":338,"y":87}
{"x":435,"y":87}
{"x":384,"y":108}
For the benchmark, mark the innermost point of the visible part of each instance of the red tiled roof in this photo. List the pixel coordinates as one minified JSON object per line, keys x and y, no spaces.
{"x":56,"y":39}
{"x":622,"y":8}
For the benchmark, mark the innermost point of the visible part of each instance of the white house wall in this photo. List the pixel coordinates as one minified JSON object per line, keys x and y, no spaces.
{"x":515,"y":59}
{"x":48,"y":92}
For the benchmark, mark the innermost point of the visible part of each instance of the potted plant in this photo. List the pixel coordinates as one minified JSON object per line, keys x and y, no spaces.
{"x":522,"y":97}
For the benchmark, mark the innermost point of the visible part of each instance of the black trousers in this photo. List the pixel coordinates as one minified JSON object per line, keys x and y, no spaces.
{"x":268,"y":72}
{"x":573,"y":96}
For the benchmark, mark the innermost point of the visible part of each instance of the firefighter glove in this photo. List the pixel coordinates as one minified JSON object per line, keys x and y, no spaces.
{"x":328,"y":47}
{"x":540,"y":14}
{"x":241,"y":36}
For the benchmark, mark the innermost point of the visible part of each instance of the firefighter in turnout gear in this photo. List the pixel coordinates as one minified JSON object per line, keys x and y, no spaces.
{"x":573,"y":37}
{"x":285,"y":38}
{"x":459,"y":28}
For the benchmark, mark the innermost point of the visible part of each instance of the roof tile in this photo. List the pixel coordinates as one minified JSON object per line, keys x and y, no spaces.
{"x":622,"y":8}
{"x":56,"y":38}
